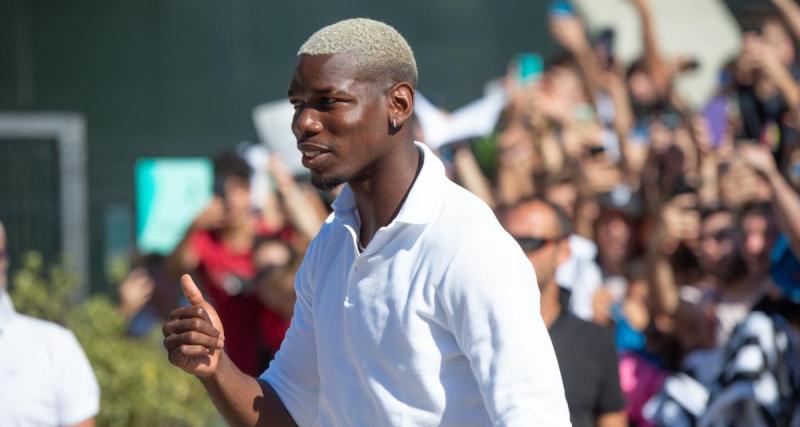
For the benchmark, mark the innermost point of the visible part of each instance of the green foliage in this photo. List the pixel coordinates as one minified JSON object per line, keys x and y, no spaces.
{"x":486,"y":153}
{"x":138,"y":385}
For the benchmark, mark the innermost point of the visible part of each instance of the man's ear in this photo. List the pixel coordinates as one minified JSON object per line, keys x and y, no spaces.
{"x":401,"y":103}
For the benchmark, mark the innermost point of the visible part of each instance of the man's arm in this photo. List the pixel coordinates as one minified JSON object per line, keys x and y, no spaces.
{"x":243,"y":400}
{"x":194,"y":339}
{"x":613,"y":419}
{"x":85,"y":423}
{"x":785,"y":199}
{"x":184,"y":258}
{"x":791,"y":13}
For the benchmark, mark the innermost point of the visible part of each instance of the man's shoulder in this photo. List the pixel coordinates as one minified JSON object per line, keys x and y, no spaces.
{"x":464,"y":216}
{"x":589,"y":334}
{"x":44,"y":331}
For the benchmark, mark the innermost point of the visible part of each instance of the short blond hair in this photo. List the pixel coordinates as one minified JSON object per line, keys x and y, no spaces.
{"x":379,"y":49}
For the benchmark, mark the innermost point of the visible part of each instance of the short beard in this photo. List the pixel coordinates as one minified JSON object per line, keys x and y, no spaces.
{"x":327,"y":183}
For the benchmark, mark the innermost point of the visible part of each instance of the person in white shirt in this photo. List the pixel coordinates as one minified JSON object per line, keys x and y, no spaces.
{"x":45,"y":378}
{"x":413,"y":304}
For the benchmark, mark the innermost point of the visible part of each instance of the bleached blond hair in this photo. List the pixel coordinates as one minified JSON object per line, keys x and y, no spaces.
{"x":378,"y":48}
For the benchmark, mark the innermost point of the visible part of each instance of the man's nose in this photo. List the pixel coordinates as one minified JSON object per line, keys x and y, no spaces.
{"x":306,"y":123}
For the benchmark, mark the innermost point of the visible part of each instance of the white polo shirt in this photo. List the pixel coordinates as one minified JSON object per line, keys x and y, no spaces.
{"x":436,"y":323}
{"x":45,"y":378}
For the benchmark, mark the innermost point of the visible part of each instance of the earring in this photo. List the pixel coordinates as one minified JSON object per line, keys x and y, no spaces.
{"x":394,"y":122}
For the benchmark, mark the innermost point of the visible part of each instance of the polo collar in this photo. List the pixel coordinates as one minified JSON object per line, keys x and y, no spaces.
{"x":7,"y":311}
{"x":424,"y":199}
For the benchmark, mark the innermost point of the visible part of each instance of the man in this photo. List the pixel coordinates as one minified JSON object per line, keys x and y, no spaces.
{"x":218,"y":246}
{"x":759,"y":229}
{"x":585,"y":351}
{"x":412,"y":302}
{"x":732,"y":292}
{"x":45,"y":378}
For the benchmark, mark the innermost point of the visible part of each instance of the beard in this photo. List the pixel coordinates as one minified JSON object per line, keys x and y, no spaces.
{"x":326,"y":183}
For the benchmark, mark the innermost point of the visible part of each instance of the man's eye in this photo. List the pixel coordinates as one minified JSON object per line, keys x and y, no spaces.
{"x":296,"y":104}
{"x":327,"y":101}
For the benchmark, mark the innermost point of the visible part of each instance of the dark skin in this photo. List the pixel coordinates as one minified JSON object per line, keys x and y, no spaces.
{"x":350,"y":128}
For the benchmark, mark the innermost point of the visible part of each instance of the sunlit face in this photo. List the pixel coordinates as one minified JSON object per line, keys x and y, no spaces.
{"x":718,"y":242}
{"x":236,"y":199}
{"x":539,"y":221}
{"x":563,"y":83}
{"x":564,"y":195}
{"x":340,"y":119}
{"x":642,"y":88}
{"x":758,"y":235}
{"x":614,"y":234}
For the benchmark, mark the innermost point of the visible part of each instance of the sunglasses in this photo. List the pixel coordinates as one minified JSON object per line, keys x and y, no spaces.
{"x":532,"y":244}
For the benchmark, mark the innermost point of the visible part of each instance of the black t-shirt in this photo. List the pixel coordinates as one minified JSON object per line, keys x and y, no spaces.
{"x":589,"y":368}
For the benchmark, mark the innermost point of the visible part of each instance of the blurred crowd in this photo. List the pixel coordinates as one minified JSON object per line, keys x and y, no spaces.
{"x":681,"y":223}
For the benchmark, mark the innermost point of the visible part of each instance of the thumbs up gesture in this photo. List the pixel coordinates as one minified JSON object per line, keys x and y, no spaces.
{"x":193,"y":336}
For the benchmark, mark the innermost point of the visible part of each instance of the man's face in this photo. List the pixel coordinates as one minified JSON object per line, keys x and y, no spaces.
{"x":537,"y":229}
{"x":718,"y":243}
{"x":340,"y":119}
{"x":759,"y":233}
{"x":614,"y":236}
{"x":236,"y":199}
{"x":565,"y":195}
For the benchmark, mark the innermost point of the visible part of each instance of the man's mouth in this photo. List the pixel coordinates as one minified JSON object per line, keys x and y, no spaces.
{"x":312,"y":154}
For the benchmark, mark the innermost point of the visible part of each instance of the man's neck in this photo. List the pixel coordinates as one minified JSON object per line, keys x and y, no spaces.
{"x":380,"y":196}
{"x":551,"y":304}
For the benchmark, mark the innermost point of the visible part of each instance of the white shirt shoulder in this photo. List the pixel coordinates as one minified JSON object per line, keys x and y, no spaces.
{"x":45,"y":377}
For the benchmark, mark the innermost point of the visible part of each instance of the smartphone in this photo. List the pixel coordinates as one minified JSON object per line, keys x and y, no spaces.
{"x":561,"y":9}
{"x":529,"y":67}
{"x":605,"y":43}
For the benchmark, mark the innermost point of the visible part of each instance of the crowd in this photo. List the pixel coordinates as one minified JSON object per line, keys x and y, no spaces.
{"x":668,"y":266}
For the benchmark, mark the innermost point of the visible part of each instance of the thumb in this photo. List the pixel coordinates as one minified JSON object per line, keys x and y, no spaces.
{"x":191,"y":291}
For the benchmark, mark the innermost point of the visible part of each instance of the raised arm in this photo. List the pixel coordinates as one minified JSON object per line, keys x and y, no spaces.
{"x":785,"y":199}
{"x":303,"y":211}
{"x":654,"y":60}
{"x":194,"y":339}
{"x":569,"y":33}
{"x":184,"y":258}
{"x":791,"y":14}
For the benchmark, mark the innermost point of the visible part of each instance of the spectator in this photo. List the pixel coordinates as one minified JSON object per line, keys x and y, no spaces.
{"x":585,"y":352}
{"x":219,"y":246}
{"x":45,"y":378}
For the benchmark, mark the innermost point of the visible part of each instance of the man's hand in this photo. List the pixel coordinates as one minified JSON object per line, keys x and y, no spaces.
{"x":193,"y":336}
{"x":212,"y":217}
{"x":759,"y":158}
{"x":569,"y":33}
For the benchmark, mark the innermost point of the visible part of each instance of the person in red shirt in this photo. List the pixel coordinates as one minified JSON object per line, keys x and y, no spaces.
{"x":218,"y":247}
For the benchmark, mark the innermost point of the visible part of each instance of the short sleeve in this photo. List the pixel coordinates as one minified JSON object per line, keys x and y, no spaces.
{"x":491,"y":300}
{"x":293,"y":373}
{"x":610,"y":398}
{"x":77,"y":392}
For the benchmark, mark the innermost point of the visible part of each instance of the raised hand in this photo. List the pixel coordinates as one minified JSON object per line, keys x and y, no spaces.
{"x":193,"y":336}
{"x":758,"y":157}
{"x":569,"y":33}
